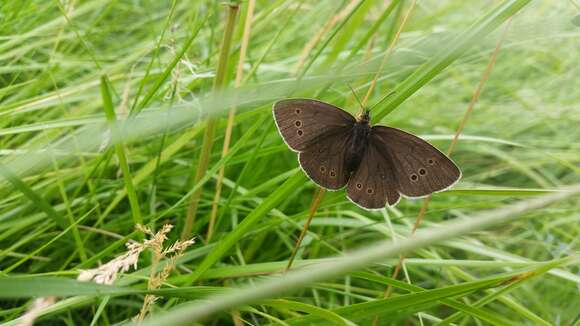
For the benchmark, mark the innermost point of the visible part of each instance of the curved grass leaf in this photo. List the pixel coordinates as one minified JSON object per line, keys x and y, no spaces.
{"x":225,"y":244}
{"x":411,"y":303}
{"x":347,"y":263}
{"x":319,"y":313}
{"x":449,"y":53}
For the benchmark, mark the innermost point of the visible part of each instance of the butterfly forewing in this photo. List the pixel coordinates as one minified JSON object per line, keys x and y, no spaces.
{"x":373,"y":184}
{"x":420,"y":168}
{"x":302,"y":122}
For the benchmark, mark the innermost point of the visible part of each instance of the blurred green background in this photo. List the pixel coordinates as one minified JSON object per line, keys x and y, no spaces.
{"x":65,"y":176}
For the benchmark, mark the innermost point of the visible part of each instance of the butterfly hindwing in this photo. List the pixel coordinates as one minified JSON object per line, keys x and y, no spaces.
{"x":302,"y":122}
{"x":373,"y":184}
{"x":324,"y":161}
{"x":420,"y":168}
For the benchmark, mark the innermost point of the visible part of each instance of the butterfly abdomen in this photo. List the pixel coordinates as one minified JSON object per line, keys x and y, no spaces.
{"x":359,"y":141}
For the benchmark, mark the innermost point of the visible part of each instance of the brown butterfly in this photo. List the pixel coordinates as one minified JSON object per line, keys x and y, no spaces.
{"x":378,"y":164}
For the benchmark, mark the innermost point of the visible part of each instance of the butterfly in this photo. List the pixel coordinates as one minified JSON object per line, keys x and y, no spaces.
{"x":377,"y":164}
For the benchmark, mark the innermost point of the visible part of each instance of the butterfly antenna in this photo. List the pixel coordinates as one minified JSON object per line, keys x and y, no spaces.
{"x":382,"y":99}
{"x":362,"y":107}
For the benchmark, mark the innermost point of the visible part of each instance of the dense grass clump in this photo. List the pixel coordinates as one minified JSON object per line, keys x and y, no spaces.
{"x":120,"y":118}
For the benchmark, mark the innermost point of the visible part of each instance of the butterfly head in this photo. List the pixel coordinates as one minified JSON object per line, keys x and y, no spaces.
{"x":365,"y":117}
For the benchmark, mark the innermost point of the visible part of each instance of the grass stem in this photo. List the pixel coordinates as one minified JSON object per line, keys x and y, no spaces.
{"x":231,"y":116}
{"x":388,"y":53}
{"x":314,"y":206}
{"x":209,"y":133}
{"x":119,"y":150}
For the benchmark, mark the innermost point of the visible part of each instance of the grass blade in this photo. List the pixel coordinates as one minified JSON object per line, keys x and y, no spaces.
{"x":448,"y":55}
{"x":120,"y":150}
{"x":351,"y":262}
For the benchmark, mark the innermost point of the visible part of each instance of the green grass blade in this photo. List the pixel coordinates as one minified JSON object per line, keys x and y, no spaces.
{"x":34,"y":197}
{"x":120,"y":150}
{"x":319,"y":313}
{"x":45,"y":245}
{"x":225,"y":244}
{"x":455,"y":48}
{"x":169,"y":68}
{"x":328,"y":39}
{"x":351,"y":262}
{"x":408,"y":302}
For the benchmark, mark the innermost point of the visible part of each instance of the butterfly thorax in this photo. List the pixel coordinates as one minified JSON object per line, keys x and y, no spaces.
{"x":359,"y":141}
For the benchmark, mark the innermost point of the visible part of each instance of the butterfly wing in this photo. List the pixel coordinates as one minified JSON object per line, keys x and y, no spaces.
{"x":324,"y":161}
{"x":302,"y":121}
{"x":420,"y":169}
{"x":373,"y":184}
